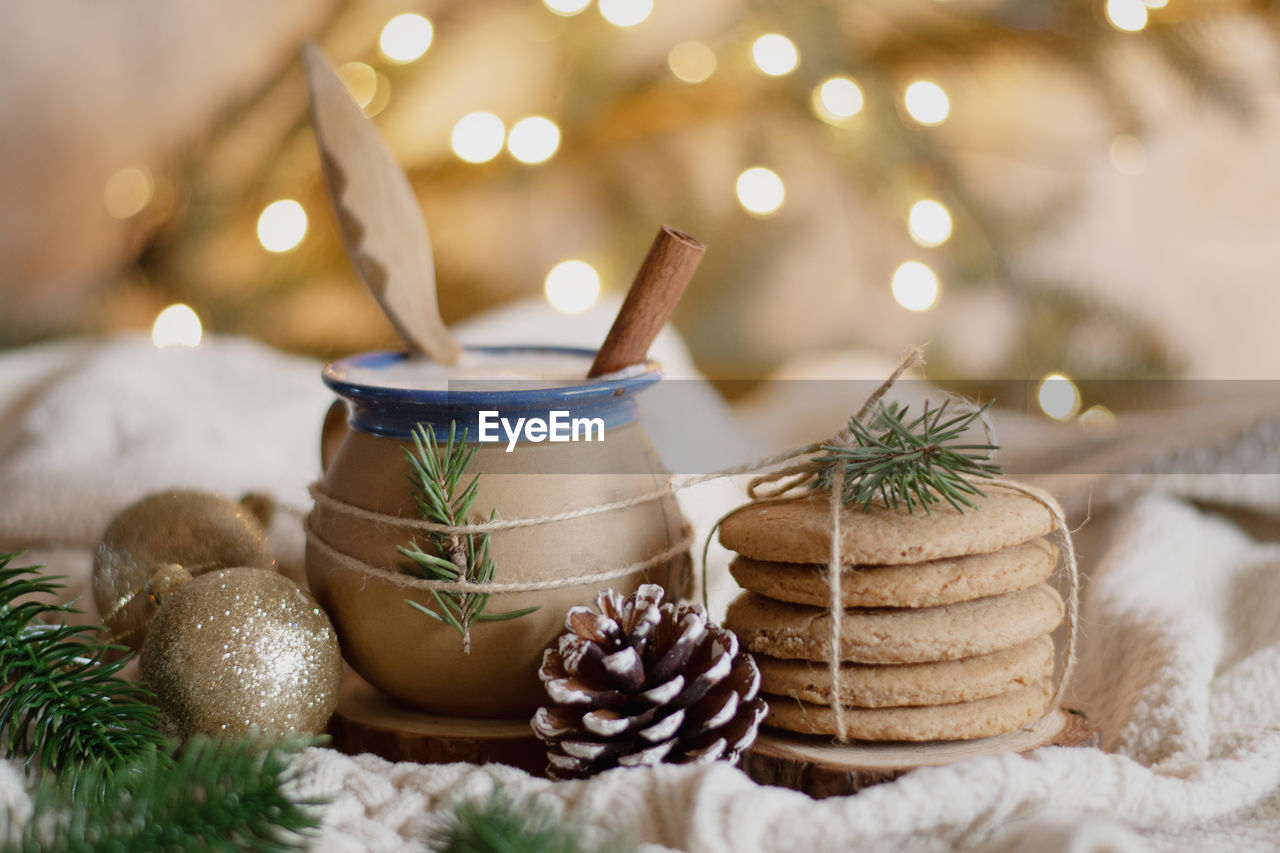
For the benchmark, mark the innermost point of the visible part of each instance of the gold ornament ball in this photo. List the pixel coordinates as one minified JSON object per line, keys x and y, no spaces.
{"x":195,"y":530}
{"x":239,"y":649}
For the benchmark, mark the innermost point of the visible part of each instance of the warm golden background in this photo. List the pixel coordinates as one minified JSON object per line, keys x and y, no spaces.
{"x":1100,"y":189}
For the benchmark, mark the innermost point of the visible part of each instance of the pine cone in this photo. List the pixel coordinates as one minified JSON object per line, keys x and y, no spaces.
{"x":642,"y":682}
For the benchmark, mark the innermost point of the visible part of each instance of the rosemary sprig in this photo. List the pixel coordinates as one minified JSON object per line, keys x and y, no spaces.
{"x":916,"y":462}
{"x":63,"y":701}
{"x":436,"y":474}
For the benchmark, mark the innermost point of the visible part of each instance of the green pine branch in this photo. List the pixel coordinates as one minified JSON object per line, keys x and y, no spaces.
{"x":108,"y":780}
{"x":500,"y":825}
{"x":64,"y":702}
{"x":915,"y":462}
{"x":436,"y":474}
{"x":219,"y":795}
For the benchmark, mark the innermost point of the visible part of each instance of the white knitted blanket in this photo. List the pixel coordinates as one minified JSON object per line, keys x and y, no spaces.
{"x":1180,"y":660}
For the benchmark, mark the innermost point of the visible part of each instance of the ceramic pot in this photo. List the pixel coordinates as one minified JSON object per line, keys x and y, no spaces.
{"x":418,"y":660}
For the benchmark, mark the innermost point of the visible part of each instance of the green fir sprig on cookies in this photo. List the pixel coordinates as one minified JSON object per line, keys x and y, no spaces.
{"x":909,"y":461}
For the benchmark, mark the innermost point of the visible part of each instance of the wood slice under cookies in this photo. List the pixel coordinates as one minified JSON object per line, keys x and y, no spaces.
{"x":820,"y":767}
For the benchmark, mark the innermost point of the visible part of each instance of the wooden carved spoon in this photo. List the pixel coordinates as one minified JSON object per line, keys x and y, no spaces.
{"x":378,"y":213}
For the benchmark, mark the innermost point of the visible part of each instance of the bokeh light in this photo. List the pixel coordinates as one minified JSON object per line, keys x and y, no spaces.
{"x":566,"y":7}
{"x":1097,"y":417}
{"x":381,"y":97}
{"x":128,"y":192}
{"x":927,"y":103}
{"x":691,"y":61}
{"x":775,"y":54}
{"x":760,"y":191}
{"x":478,"y":137}
{"x":282,"y":225}
{"x":929,"y":223}
{"x":1128,"y":16}
{"x":915,"y":286}
{"x":837,"y":99}
{"x":1128,"y":155}
{"x":572,"y":286}
{"x":405,"y":38}
{"x":626,"y":13}
{"x":533,"y":139}
{"x":1058,"y":396}
{"x":176,"y":326}
{"x":361,"y":81}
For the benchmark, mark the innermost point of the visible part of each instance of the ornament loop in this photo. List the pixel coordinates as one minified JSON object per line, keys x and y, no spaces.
{"x":162,"y":579}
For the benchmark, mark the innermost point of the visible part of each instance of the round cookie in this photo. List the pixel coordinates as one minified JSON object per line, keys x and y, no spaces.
{"x":798,"y":530}
{"x":886,"y":636}
{"x":994,"y":715}
{"x":941,"y":683}
{"x":926,"y":584}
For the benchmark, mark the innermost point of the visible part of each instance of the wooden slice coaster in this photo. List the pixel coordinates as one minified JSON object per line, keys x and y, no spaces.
{"x":368,"y":721}
{"x":821,"y":768}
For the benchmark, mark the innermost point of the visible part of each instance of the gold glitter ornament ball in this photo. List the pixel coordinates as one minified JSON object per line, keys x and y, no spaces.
{"x":196,"y":530}
{"x":238,"y":649}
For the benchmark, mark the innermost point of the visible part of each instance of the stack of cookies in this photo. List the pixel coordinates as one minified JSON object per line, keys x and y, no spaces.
{"x":945,"y":631}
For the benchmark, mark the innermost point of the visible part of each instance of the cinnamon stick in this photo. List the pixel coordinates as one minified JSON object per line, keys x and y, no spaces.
{"x":654,"y":292}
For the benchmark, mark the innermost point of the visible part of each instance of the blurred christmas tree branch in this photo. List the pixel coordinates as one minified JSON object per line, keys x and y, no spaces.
{"x":624,"y":136}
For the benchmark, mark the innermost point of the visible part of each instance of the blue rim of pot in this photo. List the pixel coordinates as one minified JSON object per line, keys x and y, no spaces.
{"x":389,"y":412}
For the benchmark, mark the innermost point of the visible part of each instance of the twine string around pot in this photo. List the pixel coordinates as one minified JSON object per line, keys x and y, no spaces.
{"x":680,"y":546}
